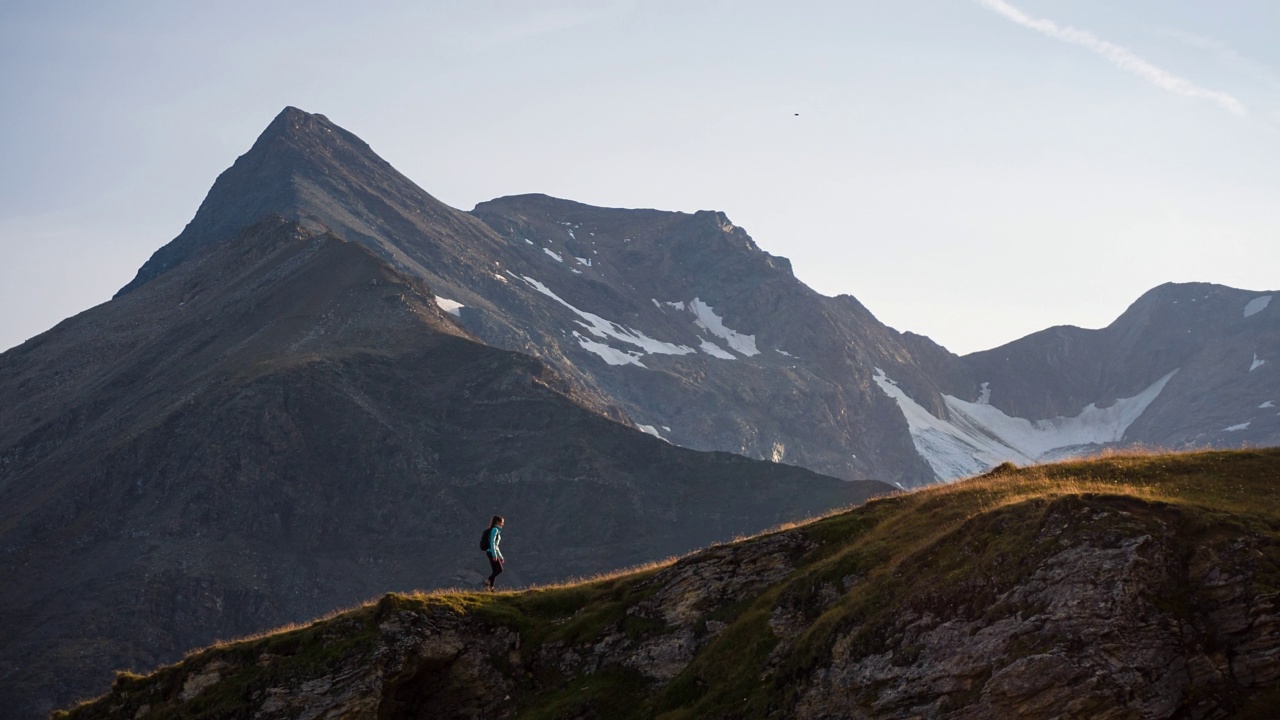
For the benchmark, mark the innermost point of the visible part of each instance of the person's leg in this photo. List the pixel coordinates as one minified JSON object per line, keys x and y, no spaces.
{"x":496,"y":566}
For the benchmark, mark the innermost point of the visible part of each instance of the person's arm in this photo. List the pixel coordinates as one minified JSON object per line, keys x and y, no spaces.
{"x":497,"y":538}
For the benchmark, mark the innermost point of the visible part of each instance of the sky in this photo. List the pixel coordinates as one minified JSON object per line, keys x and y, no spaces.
{"x":970,"y":170}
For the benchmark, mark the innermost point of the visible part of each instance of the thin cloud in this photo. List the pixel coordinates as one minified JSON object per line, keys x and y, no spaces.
{"x":1226,"y":55}
{"x":1122,"y":58}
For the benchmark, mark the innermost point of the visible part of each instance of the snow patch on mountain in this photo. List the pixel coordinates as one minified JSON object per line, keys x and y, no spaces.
{"x":984,"y":395}
{"x":1234,"y":428}
{"x":609,"y":354}
{"x":714,"y":350}
{"x":1256,"y":363}
{"x":978,"y":436}
{"x":453,"y":307}
{"x":606,"y":329}
{"x":1266,"y":404}
{"x":650,"y":430}
{"x":951,"y":452}
{"x":708,"y":320}
{"x":583,"y":261}
{"x":557,"y":256}
{"x":1257,"y":305}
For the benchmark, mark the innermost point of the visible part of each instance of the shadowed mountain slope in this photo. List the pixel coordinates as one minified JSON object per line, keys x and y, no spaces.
{"x":283,"y":424}
{"x":1136,"y":587}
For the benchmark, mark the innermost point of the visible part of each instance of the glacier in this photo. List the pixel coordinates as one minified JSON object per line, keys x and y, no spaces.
{"x":976,"y":436}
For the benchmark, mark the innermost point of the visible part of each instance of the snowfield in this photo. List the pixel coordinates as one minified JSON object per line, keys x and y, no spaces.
{"x":453,"y":307}
{"x":607,"y":329}
{"x":714,"y":350}
{"x":1257,"y":305}
{"x":977,"y":436}
{"x":610,"y":355}
{"x":708,"y":320}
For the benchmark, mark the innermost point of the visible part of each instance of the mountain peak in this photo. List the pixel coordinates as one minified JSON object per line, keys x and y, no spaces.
{"x":296,"y":128}
{"x":305,"y":168}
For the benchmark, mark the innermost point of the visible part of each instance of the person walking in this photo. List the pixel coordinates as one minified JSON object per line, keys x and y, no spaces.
{"x":492,"y":537}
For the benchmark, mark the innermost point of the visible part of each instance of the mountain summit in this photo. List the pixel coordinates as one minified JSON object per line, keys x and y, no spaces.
{"x":304,"y":168}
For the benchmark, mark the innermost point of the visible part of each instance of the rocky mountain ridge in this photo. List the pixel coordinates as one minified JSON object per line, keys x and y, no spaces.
{"x":1138,"y":587}
{"x":1184,"y":367}
{"x":681,"y":324}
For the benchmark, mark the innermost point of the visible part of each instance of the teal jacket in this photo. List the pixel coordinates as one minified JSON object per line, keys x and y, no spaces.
{"x":495,"y":537}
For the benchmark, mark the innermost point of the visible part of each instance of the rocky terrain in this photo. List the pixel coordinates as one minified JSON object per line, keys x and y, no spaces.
{"x":1128,"y":587}
{"x":285,"y":424}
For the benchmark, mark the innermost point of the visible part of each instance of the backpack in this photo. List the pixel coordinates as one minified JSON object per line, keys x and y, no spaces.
{"x":484,"y":540}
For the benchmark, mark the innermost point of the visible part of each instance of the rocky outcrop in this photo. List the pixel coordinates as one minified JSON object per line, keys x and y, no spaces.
{"x":1094,"y":631}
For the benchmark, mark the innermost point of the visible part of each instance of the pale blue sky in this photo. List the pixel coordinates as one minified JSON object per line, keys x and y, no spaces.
{"x":966,"y":169}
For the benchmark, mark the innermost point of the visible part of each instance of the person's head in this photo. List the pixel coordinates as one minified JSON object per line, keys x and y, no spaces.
{"x":497,"y":520}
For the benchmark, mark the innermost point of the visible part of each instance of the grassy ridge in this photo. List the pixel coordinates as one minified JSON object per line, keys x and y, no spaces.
{"x":955,"y":548}
{"x":962,"y":544}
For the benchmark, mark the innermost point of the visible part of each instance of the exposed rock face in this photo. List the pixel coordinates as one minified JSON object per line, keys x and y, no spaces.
{"x":283,"y":425}
{"x":1091,"y":633}
{"x":759,"y":363}
{"x":1097,"y":606}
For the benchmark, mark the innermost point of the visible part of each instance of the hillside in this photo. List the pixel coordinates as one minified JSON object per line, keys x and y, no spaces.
{"x":1127,"y":586}
{"x":284,"y":424}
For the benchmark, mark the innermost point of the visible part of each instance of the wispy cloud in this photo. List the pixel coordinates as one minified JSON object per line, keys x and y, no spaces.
{"x":1226,"y":55}
{"x":1121,"y":57}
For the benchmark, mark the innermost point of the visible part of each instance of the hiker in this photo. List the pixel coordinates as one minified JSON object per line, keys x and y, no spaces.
{"x":492,"y":537}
